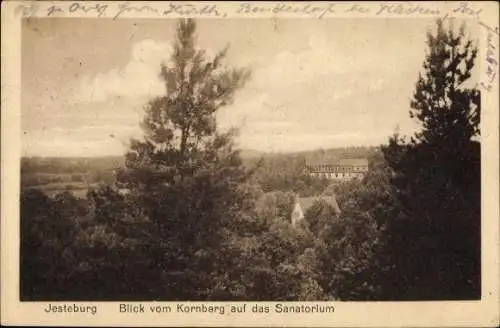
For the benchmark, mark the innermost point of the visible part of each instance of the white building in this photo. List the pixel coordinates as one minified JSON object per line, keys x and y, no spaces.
{"x":343,"y":170}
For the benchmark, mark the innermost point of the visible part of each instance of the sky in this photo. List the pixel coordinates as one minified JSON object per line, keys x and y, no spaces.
{"x":315,"y":83}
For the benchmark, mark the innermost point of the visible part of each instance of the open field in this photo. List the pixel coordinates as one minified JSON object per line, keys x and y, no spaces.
{"x":78,"y":189}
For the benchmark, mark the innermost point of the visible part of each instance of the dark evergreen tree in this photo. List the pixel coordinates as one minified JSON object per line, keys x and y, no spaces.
{"x":436,"y":243}
{"x":186,"y":175}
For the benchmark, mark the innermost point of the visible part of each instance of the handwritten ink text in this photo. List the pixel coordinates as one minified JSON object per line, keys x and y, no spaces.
{"x":406,"y":10}
{"x":126,"y":7}
{"x":192,"y":10}
{"x":465,"y":9}
{"x":491,"y":63}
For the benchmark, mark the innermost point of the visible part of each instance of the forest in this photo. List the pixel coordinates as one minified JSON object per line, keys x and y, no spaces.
{"x":203,"y":221}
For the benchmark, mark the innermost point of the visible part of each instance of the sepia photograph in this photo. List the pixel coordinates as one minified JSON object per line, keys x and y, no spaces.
{"x":276,"y":159}
{"x":180,"y":160}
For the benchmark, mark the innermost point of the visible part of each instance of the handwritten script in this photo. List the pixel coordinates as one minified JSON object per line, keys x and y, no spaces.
{"x":309,"y":10}
{"x":117,"y":10}
{"x":491,"y":62}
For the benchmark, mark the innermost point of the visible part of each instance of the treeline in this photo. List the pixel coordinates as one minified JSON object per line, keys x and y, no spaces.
{"x":69,"y":165}
{"x":44,"y":179}
{"x":40,"y":171}
{"x":280,"y":168}
{"x":198,"y":224}
{"x":285,"y":172}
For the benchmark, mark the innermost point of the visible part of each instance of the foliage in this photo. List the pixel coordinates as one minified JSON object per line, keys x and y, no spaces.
{"x":275,"y":205}
{"x":349,"y":248}
{"x":184,"y":174}
{"x":48,"y":228}
{"x":437,"y":174}
{"x":285,"y":172}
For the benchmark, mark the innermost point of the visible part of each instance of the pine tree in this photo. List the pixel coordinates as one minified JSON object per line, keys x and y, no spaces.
{"x":185,"y":174}
{"x":435,"y":243}
{"x":446,"y":106}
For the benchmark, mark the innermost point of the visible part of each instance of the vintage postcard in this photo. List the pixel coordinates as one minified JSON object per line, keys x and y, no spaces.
{"x":323,"y":164}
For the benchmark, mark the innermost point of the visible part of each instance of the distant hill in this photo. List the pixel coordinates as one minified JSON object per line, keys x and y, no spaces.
{"x":69,"y":165}
{"x":317,"y":156}
{"x":58,"y":165}
{"x":336,"y":155}
{"x":251,"y":153}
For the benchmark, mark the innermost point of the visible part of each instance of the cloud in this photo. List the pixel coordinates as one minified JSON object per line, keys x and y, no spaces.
{"x":73,"y":147}
{"x":306,"y":93}
{"x":315,"y":96}
{"x":85,"y":140}
{"x":298,"y":142}
{"x":320,"y":97}
{"x":139,"y":78}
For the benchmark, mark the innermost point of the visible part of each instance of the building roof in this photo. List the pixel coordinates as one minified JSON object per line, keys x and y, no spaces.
{"x":350,"y":161}
{"x":306,"y":202}
{"x":353,"y":162}
{"x":344,"y":165}
{"x":326,"y":168}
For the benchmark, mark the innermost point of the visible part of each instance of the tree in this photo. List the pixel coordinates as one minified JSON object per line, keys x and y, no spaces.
{"x":448,"y":108}
{"x":185,"y":174}
{"x":48,"y":228}
{"x":35,"y":214}
{"x":436,"y":244}
{"x":351,"y":259}
{"x":276,"y":205}
{"x":180,"y":127}
{"x":112,"y":250}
